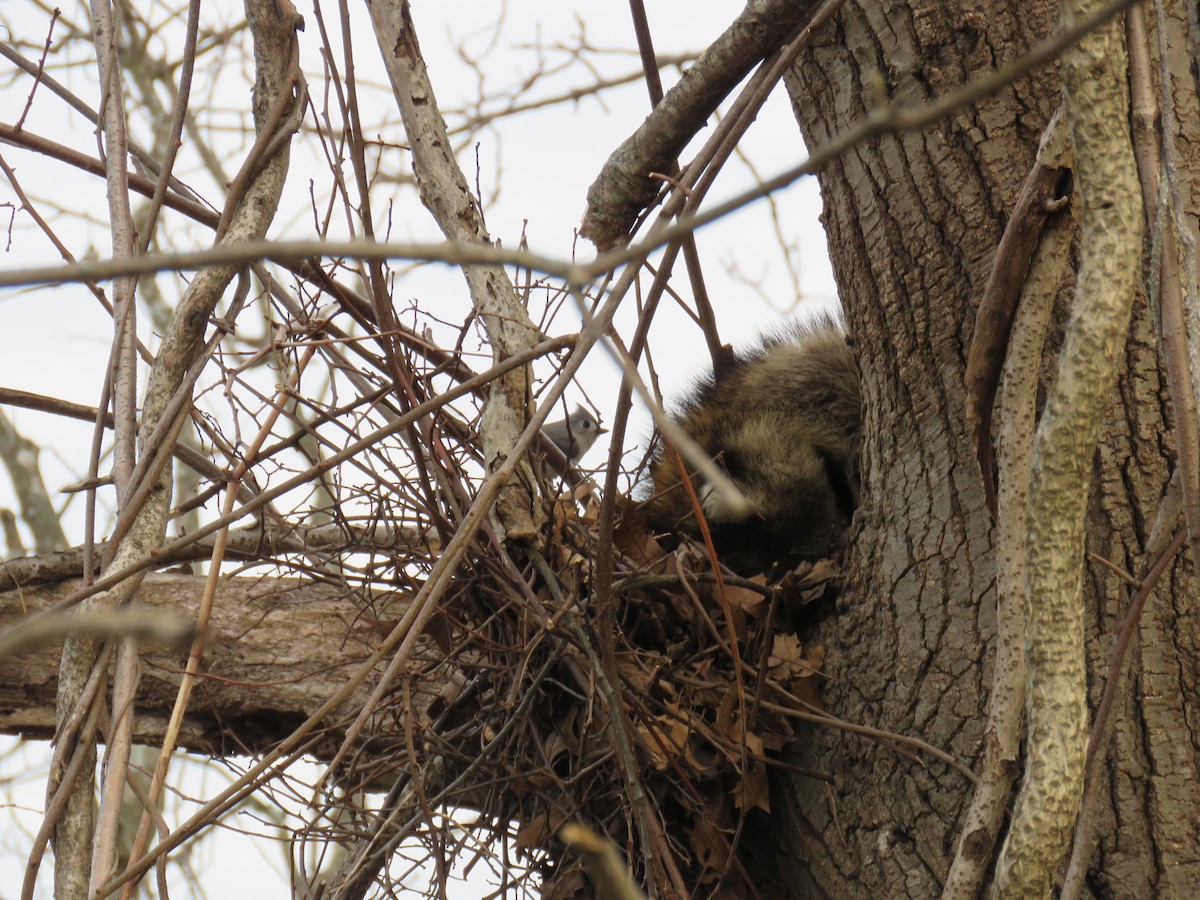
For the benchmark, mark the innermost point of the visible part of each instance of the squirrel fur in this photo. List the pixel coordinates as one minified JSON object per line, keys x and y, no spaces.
{"x":784,"y":421}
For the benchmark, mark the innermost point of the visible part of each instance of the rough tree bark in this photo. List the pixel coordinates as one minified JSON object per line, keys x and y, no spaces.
{"x":913,"y":220}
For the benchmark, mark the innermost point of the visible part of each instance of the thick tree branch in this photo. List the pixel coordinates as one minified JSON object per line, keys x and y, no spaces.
{"x":623,"y":188}
{"x":277,"y":649}
{"x":998,"y":307}
{"x":75,"y":839}
{"x":445,"y":193}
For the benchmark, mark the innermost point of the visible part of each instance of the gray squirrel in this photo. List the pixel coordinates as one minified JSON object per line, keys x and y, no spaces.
{"x":784,"y":421}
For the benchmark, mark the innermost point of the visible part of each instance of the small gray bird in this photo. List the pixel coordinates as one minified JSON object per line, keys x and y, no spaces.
{"x":575,"y":434}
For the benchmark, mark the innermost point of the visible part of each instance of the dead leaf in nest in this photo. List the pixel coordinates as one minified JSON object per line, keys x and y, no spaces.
{"x":808,"y":582}
{"x":808,"y":691}
{"x":752,"y":791}
{"x":754,"y":744}
{"x":726,"y":713}
{"x":537,"y":831}
{"x":564,"y":556}
{"x":709,"y":846}
{"x":590,"y":514}
{"x":816,"y":658}
{"x":568,"y":886}
{"x":564,"y":508}
{"x":664,"y":739}
{"x":774,"y":741}
{"x":682,"y":608}
{"x":540,"y":781}
{"x":639,"y":671}
{"x":554,"y":747}
{"x":571,"y":567}
{"x":702,"y":758}
{"x":632,"y":538}
{"x":751,"y":602}
{"x":791,"y":665}
{"x":438,"y":628}
{"x":823,"y":570}
{"x":786,"y":652}
{"x":789,"y":661}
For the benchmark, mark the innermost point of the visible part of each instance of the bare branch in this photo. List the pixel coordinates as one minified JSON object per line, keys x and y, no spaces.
{"x":623,"y":188}
{"x":445,"y":193}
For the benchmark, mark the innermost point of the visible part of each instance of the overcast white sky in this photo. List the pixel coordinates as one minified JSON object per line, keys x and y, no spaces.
{"x":56,"y":342}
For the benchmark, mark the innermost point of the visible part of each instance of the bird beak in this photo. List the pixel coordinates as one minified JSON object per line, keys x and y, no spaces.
{"x":601,"y":430}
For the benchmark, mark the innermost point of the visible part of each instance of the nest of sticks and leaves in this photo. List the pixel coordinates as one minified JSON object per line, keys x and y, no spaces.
{"x":505,"y":710}
{"x":712,"y":676}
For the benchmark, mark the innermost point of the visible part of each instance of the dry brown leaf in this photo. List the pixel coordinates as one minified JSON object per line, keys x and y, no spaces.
{"x":808,"y":582}
{"x":439,"y":629}
{"x":789,"y":659}
{"x":816,"y":658}
{"x":555,"y":746}
{"x":590,"y":514}
{"x":807,"y":690}
{"x":752,"y":791}
{"x":774,"y":741}
{"x":709,"y":846}
{"x":751,"y":602}
{"x":823,"y":570}
{"x":727,"y":712}
{"x":754,"y":743}
{"x":630,"y":536}
{"x":535,"y":833}
{"x":567,"y":886}
{"x":634,"y":673}
{"x":535,"y":781}
{"x":787,"y":656}
{"x":664,"y":739}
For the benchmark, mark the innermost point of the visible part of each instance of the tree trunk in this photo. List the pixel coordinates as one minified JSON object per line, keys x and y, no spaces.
{"x":913,"y":220}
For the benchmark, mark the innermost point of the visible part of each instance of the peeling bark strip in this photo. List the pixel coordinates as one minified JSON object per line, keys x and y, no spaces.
{"x":447,"y":196}
{"x":1179,"y":274}
{"x":1097,"y":104}
{"x":998,"y":308}
{"x":623,"y":188}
